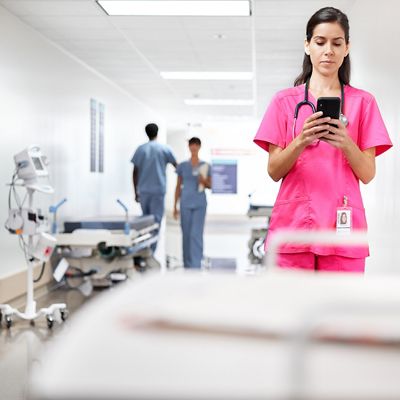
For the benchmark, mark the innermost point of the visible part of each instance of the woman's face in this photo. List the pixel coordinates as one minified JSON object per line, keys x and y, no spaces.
{"x":327,"y":48}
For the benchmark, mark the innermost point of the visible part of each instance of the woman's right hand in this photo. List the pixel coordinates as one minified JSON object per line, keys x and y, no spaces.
{"x":176,"y":213}
{"x":314,"y":128}
{"x":281,"y":160}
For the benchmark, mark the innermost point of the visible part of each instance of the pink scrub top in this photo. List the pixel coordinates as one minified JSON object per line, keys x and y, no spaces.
{"x":320,"y":178}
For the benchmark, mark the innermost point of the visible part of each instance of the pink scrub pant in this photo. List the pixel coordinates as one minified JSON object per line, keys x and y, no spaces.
{"x":315,"y":262}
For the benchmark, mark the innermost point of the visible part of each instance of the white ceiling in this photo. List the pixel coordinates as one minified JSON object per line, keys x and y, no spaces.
{"x":132,"y":51}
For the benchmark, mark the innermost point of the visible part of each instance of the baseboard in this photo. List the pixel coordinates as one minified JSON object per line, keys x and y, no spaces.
{"x":13,"y":286}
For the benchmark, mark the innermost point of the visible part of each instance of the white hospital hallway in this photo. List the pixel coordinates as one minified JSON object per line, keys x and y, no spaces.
{"x":110,"y":109}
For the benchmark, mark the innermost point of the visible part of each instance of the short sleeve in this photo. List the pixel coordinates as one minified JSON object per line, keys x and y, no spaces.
{"x":373,"y":132}
{"x":273,"y":126}
{"x":136,"y":156}
{"x":170,"y":156}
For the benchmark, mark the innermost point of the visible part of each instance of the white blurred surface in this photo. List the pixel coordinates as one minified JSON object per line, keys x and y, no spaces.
{"x":199,"y":335}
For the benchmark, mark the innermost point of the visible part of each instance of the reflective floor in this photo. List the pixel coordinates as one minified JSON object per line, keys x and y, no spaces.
{"x":20,"y":346}
{"x":226,"y":246}
{"x":226,"y":241}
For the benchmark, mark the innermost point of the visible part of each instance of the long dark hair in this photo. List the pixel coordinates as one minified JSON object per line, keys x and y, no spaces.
{"x":326,"y":14}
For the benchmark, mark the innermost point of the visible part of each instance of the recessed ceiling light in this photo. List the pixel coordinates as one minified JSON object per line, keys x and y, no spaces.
{"x":177,"y":8}
{"x":220,"y":75}
{"x":219,"y":102}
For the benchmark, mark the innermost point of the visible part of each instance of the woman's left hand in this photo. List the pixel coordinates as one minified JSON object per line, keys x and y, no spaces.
{"x":338,"y":136}
{"x":361,"y":162}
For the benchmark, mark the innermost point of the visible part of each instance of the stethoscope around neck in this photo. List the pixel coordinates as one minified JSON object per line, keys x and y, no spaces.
{"x":307,"y":102}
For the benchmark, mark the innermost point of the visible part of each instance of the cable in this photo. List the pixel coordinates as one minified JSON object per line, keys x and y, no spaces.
{"x":12,"y":189}
{"x":80,"y":273}
{"x":16,"y":197}
{"x":69,"y":275}
{"x":23,"y":201}
{"x":22,"y":244}
{"x":41,"y":273}
{"x":11,"y":186}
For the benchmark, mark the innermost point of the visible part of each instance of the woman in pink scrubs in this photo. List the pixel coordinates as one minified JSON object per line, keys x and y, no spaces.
{"x":321,"y":160}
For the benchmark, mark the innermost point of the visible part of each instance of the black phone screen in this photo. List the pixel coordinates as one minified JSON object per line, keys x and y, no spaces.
{"x":330,"y":106}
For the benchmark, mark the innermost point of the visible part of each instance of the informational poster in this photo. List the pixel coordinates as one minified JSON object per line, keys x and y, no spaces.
{"x":96,"y":136}
{"x":101,"y":137}
{"x":224,"y":176}
{"x":93,"y":134}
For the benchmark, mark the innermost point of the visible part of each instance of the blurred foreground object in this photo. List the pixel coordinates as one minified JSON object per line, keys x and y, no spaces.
{"x":281,"y":335}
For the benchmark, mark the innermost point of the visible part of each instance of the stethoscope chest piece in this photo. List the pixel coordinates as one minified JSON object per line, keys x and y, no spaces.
{"x":344,"y":119}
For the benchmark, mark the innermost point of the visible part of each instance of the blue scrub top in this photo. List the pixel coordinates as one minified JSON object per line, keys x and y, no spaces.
{"x":191,"y":197}
{"x":151,"y":159}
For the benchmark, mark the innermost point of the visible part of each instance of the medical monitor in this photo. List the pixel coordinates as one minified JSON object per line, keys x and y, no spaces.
{"x":37,"y":162}
{"x":30,"y":164}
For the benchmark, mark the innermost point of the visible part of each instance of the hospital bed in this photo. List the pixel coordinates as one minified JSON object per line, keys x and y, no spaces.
{"x":108,"y":244}
{"x":259,"y":210}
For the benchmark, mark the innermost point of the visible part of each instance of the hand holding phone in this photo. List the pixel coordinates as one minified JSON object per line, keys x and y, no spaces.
{"x":330,"y":106}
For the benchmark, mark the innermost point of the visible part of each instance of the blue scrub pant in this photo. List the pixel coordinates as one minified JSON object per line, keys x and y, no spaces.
{"x":153,"y":204}
{"x":192,"y":223}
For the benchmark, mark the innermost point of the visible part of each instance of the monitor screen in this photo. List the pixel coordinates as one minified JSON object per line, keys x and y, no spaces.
{"x":37,"y":162}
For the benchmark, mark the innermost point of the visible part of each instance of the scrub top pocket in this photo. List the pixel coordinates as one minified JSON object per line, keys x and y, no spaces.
{"x":292,"y":214}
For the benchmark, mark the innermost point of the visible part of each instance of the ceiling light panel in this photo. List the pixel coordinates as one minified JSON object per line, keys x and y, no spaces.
{"x":207,"y":8}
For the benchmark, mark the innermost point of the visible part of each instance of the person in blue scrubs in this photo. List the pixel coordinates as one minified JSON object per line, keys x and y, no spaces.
{"x":194,"y":176}
{"x":149,"y":179}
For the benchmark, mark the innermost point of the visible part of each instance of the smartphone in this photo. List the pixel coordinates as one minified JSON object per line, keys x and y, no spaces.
{"x":330,"y":106}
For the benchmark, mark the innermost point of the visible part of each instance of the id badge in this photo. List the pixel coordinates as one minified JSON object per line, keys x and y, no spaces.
{"x":343,"y":220}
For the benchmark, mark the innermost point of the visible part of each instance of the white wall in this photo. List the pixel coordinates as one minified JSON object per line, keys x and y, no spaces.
{"x":374,"y":33}
{"x":45,"y":100}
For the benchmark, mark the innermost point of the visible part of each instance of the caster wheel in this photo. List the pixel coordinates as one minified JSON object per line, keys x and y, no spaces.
{"x":64,"y":314}
{"x":8,"y":321}
{"x":50,"y":321}
{"x":258,"y":249}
